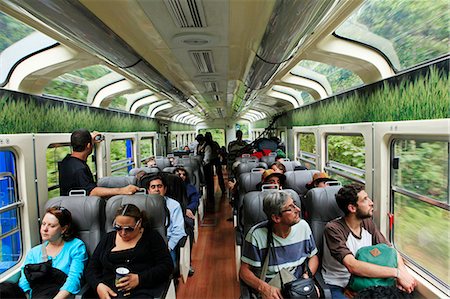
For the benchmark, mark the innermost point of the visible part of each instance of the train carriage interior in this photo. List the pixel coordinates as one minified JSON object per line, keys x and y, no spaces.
{"x":358,"y":89}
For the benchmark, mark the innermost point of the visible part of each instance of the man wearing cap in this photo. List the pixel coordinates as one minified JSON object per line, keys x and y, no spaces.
{"x":270,"y":177}
{"x":319,"y":180}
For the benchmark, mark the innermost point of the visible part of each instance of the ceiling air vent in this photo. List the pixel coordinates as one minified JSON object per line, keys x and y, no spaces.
{"x":219,"y":111}
{"x":216,"y":97}
{"x":187,"y":13}
{"x":203,"y":60}
{"x":211,"y":87}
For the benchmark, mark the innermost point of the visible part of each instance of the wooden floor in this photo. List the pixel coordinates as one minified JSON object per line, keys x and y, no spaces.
{"x":213,"y":259}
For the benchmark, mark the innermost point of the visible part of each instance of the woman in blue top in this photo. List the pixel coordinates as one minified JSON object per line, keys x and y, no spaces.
{"x":67,"y":254}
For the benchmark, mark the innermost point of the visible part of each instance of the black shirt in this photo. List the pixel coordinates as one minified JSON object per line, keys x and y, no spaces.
{"x":75,"y":174}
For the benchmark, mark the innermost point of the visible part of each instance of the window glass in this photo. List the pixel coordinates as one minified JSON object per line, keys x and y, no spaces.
{"x":118,"y":103}
{"x":121,"y":157}
{"x":423,"y":168}
{"x":218,"y":135}
{"x":11,"y":31}
{"x":146,"y":148}
{"x":244,"y":128}
{"x":406,"y":32}
{"x":307,"y":147}
{"x":346,"y":156}
{"x":55,"y":154}
{"x":10,"y":234}
{"x":422,"y":233}
{"x":173,"y":141}
{"x":340,"y":79}
{"x":421,"y":204}
{"x":73,"y":85}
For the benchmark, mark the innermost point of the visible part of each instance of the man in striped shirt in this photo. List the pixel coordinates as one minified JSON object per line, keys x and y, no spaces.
{"x":292,"y":244}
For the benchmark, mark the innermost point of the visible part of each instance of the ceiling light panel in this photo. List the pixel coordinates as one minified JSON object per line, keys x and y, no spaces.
{"x":187,"y":13}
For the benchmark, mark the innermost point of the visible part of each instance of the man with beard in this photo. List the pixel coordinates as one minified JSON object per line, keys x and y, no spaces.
{"x":345,"y":235}
{"x":292,"y":244}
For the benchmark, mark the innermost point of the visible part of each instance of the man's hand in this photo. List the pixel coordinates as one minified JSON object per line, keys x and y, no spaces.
{"x":405,"y":280}
{"x":269,"y":292}
{"x":128,"y":190}
{"x":105,"y":292}
{"x":190,"y":214}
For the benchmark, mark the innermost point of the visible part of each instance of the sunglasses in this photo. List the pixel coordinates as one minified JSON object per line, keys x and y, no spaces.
{"x":127,"y":229}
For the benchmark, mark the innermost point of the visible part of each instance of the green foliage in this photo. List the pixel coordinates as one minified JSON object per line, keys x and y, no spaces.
{"x":67,"y":90}
{"x":348,"y":150}
{"x":260,"y":124}
{"x":424,"y":97}
{"x":91,"y":72}
{"x":218,"y":135}
{"x":244,"y":128}
{"x":25,"y":115}
{"x":340,"y":79}
{"x":118,"y":103}
{"x":175,"y":126}
{"x":307,"y":143}
{"x":422,"y":232}
{"x":11,"y":31}
{"x":423,"y":168}
{"x":419,"y":30}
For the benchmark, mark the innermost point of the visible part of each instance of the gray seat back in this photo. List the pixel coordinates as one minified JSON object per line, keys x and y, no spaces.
{"x":321,"y":206}
{"x":297,"y":180}
{"x":269,"y":159}
{"x":253,"y":213}
{"x":290,"y":165}
{"x":116,"y":181}
{"x":246,"y":158}
{"x":152,"y":204}
{"x":162,"y":162}
{"x":244,"y":167}
{"x":87,"y":216}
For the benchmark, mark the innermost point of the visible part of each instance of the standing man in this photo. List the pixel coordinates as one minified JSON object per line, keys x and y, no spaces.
{"x":345,"y":235}
{"x":234,"y":150}
{"x":175,"y":231}
{"x":75,"y":174}
{"x":293,"y":244}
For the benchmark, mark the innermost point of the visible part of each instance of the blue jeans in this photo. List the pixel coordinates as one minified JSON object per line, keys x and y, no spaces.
{"x":173,"y":255}
{"x":337,"y":292}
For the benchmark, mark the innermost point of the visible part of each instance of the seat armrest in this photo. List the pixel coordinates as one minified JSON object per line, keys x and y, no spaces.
{"x":81,"y":294}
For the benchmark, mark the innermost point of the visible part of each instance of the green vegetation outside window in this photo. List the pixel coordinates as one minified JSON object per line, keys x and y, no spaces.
{"x":420,"y":204}
{"x":146,"y":148}
{"x":346,"y":157}
{"x":307,"y":150}
{"x":121,"y":157}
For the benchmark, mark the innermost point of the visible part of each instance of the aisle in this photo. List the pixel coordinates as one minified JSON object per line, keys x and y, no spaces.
{"x":213,"y":259}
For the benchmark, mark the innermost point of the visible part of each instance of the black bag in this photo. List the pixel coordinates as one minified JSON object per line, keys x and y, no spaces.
{"x":300,"y":288}
{"x":45,"y":281}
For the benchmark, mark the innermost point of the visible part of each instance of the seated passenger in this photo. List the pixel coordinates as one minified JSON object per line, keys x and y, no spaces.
{"x":151,"y":162}
{"x":75,"y":174}
{"x":278,"y":167}
{"x":293,"y":243}
{"x":191,"y":208}
{"x":134,"y":246}
{"x":66,"y":256}
{"x":319,"y":180}
{"x":345,"y":235}
{"x":175,"y":231}
{"x":269,"y":176}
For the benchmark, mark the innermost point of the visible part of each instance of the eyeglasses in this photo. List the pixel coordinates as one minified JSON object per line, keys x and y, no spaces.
{"x":291,"y":208}
{"x":159,"y":186}
{"x":127,"y":229}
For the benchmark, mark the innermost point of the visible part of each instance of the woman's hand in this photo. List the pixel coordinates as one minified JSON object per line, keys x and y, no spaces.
{"x":105,"y":292}
{"x":128,"y":282}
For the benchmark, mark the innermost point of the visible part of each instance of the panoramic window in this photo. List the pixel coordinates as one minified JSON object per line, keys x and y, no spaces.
{"x":346,"y":157}
{"x":406,"y":32}
{"x":10,"y":235}
{"x":12,"y":31}
{"x":118,"y":103}
{"x":55,"y":154}
{"x":420,"y":203}
{"x":121,"y":157}
{"x":340,"y":79}
{"x":73,"y":85}
{"x":307,"y":150}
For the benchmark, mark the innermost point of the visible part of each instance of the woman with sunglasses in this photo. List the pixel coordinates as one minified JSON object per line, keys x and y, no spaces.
{"x":133,"y":246}
{"x":54,"y":268}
